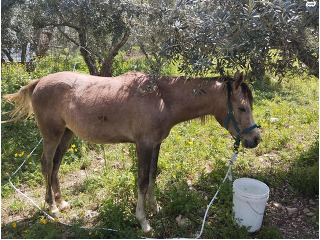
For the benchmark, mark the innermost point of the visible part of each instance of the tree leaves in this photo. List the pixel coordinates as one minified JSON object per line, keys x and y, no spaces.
{"x":239,"y":34}
{"x":204,"y":36}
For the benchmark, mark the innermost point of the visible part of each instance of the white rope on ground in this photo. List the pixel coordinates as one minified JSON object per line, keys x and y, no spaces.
{"x":233,"y":158}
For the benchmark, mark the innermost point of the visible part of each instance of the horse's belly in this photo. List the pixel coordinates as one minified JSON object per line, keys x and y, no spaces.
{"x":102,"y":135}
{"x":100,"y":128}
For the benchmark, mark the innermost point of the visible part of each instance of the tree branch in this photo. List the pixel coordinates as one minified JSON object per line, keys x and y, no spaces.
{"x":69,"y":38}
{"x":65,"y":24}
{"x":7,"y":53}
{"x":106,"y":68}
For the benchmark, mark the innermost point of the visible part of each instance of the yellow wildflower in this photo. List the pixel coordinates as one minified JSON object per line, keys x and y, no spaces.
{"x":76,"y":150}
{"x":179,"y":166}
{"x":191,"y":143}
{"x":70,"y":150}
{"x":44,"y":221}
{"x":83,"y":148}
{"x":16,"y":155}
{"x":56,"y":219}
{"x":14,"y":224}
{"x":73,"y":146}
{"x":28,"y":156}
{"x":30,"y":163}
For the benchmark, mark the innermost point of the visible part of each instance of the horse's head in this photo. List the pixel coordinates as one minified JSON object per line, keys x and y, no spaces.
{"x":238,"y":118}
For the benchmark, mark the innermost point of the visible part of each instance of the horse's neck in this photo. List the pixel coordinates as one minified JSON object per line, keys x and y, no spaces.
{"x":192,"y":98}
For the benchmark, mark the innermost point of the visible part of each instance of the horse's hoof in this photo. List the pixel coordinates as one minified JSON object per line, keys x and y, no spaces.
{"x":149,"y":234}
{"x":145,"y":226}
{"x":64,"y":206}
{"x":55,"y":213}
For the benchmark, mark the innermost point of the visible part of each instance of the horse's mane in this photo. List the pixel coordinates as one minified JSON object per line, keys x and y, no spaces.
{"x":244,"y":87}
{"x":247,"y":91}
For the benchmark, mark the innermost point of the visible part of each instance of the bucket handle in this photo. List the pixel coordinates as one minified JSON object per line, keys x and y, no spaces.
{"x":254,"y":209}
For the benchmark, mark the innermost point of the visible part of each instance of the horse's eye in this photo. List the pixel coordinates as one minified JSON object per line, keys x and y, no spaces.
{"x":242,"y":109}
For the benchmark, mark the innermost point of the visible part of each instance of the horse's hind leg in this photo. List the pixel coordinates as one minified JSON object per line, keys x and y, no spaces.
{"x":52,"y":132}
{"x":49,"y":149}
{"x":61,"y":149}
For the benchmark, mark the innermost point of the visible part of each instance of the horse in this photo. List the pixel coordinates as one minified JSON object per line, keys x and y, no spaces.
{"x":134,"y":107}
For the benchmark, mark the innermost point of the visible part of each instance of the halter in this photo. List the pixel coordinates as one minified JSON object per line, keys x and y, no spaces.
{"x":231,"y":117}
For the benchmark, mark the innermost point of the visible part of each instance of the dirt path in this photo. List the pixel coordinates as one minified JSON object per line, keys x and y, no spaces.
{"x":295,"y":216}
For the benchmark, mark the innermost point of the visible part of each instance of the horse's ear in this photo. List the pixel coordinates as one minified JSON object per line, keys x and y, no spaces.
{"x":238,"y":79}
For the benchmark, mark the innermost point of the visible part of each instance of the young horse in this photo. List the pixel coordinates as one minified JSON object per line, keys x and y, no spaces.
{"x":133,"y":107}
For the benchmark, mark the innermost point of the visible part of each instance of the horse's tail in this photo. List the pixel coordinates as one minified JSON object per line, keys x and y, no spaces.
{"x":23,"y":98}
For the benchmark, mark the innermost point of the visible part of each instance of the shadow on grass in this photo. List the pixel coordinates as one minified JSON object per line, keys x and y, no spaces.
{"x":304,"y":174}
{"x":112,"y":216}
{"x":33,"y":227}
{"x":268,"y":88}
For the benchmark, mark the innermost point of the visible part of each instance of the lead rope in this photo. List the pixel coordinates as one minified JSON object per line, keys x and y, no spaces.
{"x":233,"y":158}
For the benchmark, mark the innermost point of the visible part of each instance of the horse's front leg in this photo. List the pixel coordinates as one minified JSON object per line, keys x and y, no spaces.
{"x":144,"y":152}
{"x":152,"y":179}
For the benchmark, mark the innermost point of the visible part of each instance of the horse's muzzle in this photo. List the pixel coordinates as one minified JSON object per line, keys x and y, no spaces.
{"x":251,"y":143}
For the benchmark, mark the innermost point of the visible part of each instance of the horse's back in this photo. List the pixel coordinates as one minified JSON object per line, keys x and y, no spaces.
{"x":98,"y":109}
{"x":72,"y":85}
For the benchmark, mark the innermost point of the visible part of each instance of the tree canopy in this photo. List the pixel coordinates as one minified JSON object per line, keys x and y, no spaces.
{"x":215,"y":35}
{"x":98,"y":28}
{"x":201,"y":36}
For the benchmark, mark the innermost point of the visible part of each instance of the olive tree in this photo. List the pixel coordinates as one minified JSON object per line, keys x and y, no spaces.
{"x":152,"y":31}
{"x":15,"y":29}
{"x":19,"y":34}
{"x":217,"y":35}
{"x":98,"y":28}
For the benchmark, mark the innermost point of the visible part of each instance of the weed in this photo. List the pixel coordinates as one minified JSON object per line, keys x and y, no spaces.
{"x":270,"y":233}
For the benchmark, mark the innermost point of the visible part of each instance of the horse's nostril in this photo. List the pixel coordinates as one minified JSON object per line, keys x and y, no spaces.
{"x":257,"y":140}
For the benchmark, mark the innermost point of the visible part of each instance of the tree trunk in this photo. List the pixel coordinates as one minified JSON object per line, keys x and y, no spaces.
{"x":86,"y":54}
{"x":23,"y":53}
{"x":44,"y":37}
{"x":258,"y":68}
{"x":7,"y":53}
{"x":106,"y":68}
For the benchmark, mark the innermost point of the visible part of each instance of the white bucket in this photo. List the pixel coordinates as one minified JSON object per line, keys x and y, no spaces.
{"x":249,"y":201}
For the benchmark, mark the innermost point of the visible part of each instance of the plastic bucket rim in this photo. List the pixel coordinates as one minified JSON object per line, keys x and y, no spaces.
{"x":264,"y":196}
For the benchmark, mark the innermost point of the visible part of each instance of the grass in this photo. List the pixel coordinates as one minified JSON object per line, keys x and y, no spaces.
{"x":192,"y":162}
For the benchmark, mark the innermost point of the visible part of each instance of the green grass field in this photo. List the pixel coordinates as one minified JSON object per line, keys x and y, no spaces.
{"x":192,"y":163}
